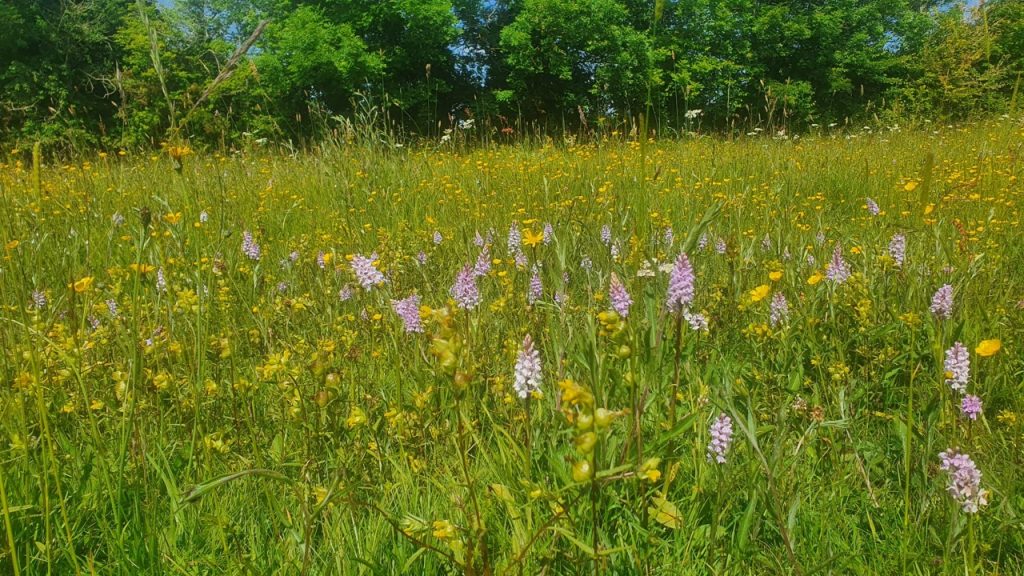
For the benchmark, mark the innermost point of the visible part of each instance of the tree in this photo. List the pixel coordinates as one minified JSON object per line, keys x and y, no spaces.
{"x":564,"y":54}
{"x":1006,"y":23}
{"x":53,"y":56}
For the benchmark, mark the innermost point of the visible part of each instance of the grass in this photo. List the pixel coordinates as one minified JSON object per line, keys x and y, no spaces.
{"x":172,"y":406}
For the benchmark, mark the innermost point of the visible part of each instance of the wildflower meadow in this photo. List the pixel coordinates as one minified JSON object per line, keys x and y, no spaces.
{"x":710,"y":355}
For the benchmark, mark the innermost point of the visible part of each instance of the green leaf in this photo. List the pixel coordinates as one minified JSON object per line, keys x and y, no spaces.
{"x":502,"y":493}
{"x":201,"y":490}
{"x":665,"y":512}
{"x":743,"y":538}
{"x":572,"y":538}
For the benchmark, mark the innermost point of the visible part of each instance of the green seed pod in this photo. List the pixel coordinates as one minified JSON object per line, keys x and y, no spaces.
{"x":582,"y":471}
{"x":585,"y":442}
{"x":585,"y":422}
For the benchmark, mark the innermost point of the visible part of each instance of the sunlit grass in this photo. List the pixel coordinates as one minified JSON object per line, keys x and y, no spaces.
{"x":173,"y":404}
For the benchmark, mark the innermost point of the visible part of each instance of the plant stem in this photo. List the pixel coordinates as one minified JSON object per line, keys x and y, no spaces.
{"x":713,"y":551}
{"x":676,"y":373}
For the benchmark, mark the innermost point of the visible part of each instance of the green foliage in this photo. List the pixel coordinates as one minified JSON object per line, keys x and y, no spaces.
{"x":562,"y":54}
{"x":308,"y":57}
{"x":172,"y":403}
{"x":135,"y":73}
{"x":956,"y":72}
{"x":1006,"y":22}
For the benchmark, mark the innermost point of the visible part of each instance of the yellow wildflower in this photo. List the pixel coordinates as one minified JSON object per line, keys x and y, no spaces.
{"x":82,"y":285}
{"x":443,"y":529}
{"x":759,"y":293}
{"x":532,"y":239}
{"x":355,"y":418}
{"x":988,"y":347}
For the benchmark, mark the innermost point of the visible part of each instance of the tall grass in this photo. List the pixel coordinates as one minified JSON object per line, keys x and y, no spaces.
{"x":171,"y":405}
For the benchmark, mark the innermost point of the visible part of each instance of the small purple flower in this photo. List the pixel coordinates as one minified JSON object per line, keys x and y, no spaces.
{"x":668,"y":237}
{"x":702,"y":242}
{"x":521,"y":260}
{"x":615,"y":250}
{"x":465,"y":291}
{"x":720,"y":245}
{"x":158,"y":332}
{"x":698,"y":322}
{"x":527,"y":369}
{"x":39,"y":299}
{"x":873,"y":208}
{"x":249,"y":246}
{"x":811,"y":260}
{"x":282,"y":287}
{"x":619,"y":297}
{"x":515,"y":238}
{"x":536,"y":290}
{"x":438,"y":238}
{"x":898,"y":249}
{"x":421,"y":258}
{"x":112,"y":307}
{"x":680,"y":284}
{"x":94,"y":322}
{"x":478,"y":240}
{"x":820,"y":237}
{"x":483,"y":262}
{"x":161,"y":282}
{"x":942,"y":302}
{"x":203,"y":217}
{"x":408,"y":309}
{"x":779,"y":309}
{"x":293,"y":256}
{"x":586,"y":263}
{"x":964,"y":480}
{"x":606,"y":234}
{"x":366,"y":272}
{"x":970,"y":406}
{"x":549,"y":233}
{"x":838,"y":270}
{"x":560,"y":297}
{"x":721,"y":438}
{"x":958,"y":367}
{"x":345,"y":293}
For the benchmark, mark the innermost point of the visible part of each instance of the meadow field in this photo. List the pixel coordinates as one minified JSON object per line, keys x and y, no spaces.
{"x":759,"y":356}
